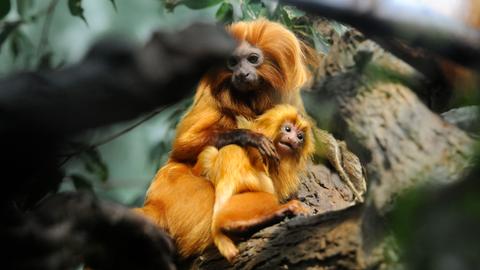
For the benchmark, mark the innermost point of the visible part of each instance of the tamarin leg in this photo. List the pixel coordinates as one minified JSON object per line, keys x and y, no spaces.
{"x":232,"y":171}
{"x":246,"y":213}
{"x":181,"y":203}
{"x":251,"y":211}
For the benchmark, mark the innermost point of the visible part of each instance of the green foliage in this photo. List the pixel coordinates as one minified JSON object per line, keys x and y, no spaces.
{"x":193,"y":4}
{"x":95,"y":170}
{"x":238,"y":10}
{"x":405,"y":214}
{"x":5,"y":6}
{"x":76,"y":9}
{"x":6,"y":29}
{"x":200,"y":4}
{"x":81,"y":183}
{"x":225,"y":13}
{"x":24,"y":7}
{"x":94,"y":164}
{"x":114,"y":4}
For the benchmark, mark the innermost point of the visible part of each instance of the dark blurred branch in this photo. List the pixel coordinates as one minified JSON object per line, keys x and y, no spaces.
{"x":68,"y":230}
{"x":115,"y":82}
{"x":387,"y":20}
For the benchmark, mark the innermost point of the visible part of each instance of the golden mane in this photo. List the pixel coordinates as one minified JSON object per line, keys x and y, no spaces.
{"x":284,"y":70}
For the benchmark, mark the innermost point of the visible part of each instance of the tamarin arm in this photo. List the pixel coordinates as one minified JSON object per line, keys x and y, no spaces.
{"x":244,"y":138}
{"x":204,"y":125}
{"x":189,"y":143}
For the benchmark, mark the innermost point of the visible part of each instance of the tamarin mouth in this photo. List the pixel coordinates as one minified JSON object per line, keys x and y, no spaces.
{"x":285,"y":147}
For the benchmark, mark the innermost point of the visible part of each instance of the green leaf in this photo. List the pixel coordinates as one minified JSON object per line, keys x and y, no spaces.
{"x":76,"y":9}
{"x":171,"y":4}
{"x":249,"y":11}
{"x":339,"y":28}
{"x":292,"y":12}
{"x":7,"y":29}
{"x":94,"y":164}
{"x":19,"y":41}
{"x":45,"y":62}
{"x":237,"y":10}
{"x":270,"y":6}
{"x":15,"y":47}
{"x":225,"y":13}
{"x":320,"y":43}
{"x":23,"y":6}
{"x":114,"y":4}
{"x":4,"y":8}
{"x":285,"y":19}
{"x":81,"y":182}
{"x":200,"y":4}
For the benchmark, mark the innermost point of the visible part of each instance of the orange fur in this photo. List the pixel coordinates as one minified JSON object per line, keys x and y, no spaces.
{"x":233,"y":169}
{"x":178,"y":200}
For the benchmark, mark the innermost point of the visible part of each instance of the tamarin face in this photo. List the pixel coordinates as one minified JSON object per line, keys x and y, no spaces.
{"x":290,"y":139}
{"x":243,"y":64}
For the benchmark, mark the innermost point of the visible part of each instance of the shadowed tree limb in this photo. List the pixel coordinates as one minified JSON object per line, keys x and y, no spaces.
{"x":403,"y":144}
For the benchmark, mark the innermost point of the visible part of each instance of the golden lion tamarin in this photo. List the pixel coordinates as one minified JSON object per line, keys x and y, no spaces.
{"x":234,"y":169}
{"x":268,"y":68}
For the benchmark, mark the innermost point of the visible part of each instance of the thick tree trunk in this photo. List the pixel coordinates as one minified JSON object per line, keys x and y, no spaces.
{"x":367,"y":92}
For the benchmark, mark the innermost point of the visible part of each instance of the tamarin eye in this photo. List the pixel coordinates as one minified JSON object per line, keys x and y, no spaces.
{"x":300,"y":136}
{"x":231,"y":62}
{"x":253,"y":58}
{"x":288,"y":128}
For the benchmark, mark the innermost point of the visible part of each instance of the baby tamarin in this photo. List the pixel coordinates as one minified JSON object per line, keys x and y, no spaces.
{"x":234,"y":169}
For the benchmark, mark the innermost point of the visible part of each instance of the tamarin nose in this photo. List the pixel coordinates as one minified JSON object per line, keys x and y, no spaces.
{"x":244,"y":76}
{"x":293,"y":141}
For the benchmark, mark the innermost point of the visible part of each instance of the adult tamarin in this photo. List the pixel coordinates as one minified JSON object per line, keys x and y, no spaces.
{"x":267,"y":68}
{"x":234,"y":169}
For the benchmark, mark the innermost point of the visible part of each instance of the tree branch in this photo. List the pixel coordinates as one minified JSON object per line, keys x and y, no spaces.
{"x":387,"y":19}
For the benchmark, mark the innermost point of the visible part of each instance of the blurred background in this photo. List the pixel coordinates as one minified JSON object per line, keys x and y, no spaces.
{"x":52,"y":37}
{"x":117,"y":162}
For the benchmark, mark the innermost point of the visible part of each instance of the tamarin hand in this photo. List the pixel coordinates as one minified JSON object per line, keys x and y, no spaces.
{"x":245,"y":137}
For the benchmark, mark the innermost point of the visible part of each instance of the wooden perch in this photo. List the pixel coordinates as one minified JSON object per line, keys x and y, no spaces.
{"x":403,"y":142}
{"x":365,"y":90}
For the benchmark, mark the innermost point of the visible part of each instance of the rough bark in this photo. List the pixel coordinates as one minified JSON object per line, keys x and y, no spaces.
{"x":368,"y":94}
{"x":403,"y":142}
{"x":302,"y":242}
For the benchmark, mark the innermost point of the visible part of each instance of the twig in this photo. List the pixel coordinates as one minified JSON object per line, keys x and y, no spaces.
{"x":112,"y":137}
{"x":46,"y":26}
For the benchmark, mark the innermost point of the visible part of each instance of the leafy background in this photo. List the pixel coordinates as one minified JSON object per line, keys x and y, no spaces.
{"x":119,"y":161}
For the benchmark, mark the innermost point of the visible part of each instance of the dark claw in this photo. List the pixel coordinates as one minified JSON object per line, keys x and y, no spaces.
{"x":269,"y":153}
